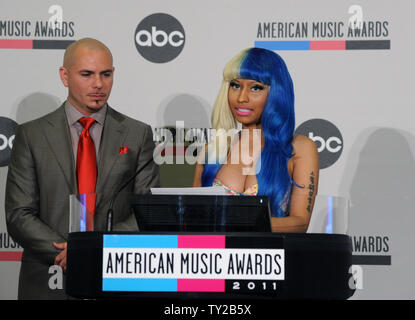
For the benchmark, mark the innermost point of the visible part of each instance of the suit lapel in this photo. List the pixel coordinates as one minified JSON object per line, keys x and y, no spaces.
{"x":58,"y":136}
{"x":113,"y":137}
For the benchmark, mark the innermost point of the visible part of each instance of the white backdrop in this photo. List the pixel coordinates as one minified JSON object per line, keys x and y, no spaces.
{"x":366,"y":94}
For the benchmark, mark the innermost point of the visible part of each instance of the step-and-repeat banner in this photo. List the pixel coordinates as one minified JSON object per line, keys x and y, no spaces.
{"x":352,"y":66}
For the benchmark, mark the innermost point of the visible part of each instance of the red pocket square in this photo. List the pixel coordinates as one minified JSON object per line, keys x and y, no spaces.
{"x":124,"y":150}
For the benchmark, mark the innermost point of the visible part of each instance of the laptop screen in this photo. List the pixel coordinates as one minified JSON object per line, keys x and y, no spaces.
{"x":202,"y":213}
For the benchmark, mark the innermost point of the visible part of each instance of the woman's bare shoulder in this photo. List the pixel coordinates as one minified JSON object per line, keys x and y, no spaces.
{"x":303,"y":146}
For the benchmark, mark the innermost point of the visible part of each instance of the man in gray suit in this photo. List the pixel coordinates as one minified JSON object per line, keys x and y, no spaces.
{"x":42,"y":170}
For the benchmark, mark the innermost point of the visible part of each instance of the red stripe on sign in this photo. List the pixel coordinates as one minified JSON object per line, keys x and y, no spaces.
{"x":16,"y":44}
{"x":328,"y":45}
{"x":11,"y":255}
{"x":200,"y":285}
{"x":198,"y":242}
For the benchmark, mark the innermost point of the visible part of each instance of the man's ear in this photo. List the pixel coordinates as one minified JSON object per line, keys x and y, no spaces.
{"x":63,"y":72}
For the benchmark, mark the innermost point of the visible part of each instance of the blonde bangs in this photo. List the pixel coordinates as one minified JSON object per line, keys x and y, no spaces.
{"x":232,"y":69}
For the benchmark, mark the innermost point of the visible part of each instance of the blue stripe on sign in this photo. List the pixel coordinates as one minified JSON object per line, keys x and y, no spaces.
{"x":283,"y":45}
{"x":139,"y":285}
{"x":139,"y":241}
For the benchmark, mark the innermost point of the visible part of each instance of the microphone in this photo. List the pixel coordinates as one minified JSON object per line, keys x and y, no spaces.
{"x":110,"y":212}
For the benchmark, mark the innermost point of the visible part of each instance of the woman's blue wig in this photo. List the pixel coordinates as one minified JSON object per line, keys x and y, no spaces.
{"x":277,"y":123}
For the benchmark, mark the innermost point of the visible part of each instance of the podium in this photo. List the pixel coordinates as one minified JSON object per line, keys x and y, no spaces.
{"x":160,"y":265}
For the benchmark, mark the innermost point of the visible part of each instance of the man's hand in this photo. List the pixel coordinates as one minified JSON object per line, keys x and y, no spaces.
{"x":60,"y":259}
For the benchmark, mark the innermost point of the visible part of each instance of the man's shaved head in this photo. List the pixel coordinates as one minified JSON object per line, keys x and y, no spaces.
{"x":87,"y":72}
{"x":85,"y":43}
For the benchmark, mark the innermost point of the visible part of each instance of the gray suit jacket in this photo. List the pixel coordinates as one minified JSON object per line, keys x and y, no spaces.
{"x":42,"y":175}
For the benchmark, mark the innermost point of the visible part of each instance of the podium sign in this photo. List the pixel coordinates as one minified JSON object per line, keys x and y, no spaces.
{"x":208,"y":265}
{"x":191,"y":263}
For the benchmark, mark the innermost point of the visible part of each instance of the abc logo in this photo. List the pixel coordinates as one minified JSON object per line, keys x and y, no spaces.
{"x":327,"y":138}
{"x":7,"y":131}
{"x":159,"y":38}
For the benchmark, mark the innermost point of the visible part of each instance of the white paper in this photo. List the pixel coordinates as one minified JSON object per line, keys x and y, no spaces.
{"x":216,"y":191}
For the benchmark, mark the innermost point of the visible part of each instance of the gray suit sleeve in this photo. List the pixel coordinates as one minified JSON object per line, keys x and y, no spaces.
{"x":149,"y":176}
{"x":22,"y":204}
{"x":146,"y":179}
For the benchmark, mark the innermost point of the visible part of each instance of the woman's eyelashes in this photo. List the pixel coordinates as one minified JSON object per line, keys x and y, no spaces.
{"x":234,"y":85}
{"x":257,"y":87}
{"x":254,"y":87}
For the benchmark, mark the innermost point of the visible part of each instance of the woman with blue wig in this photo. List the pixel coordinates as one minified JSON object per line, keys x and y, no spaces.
{"x":265,"y":157}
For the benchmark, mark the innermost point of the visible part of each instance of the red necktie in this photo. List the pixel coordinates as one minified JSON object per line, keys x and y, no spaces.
{"x":86,"y":163}
{"x":86,"y":170}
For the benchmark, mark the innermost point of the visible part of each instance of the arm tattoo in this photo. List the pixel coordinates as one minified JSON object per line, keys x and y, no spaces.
{"x":310,"y":192}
